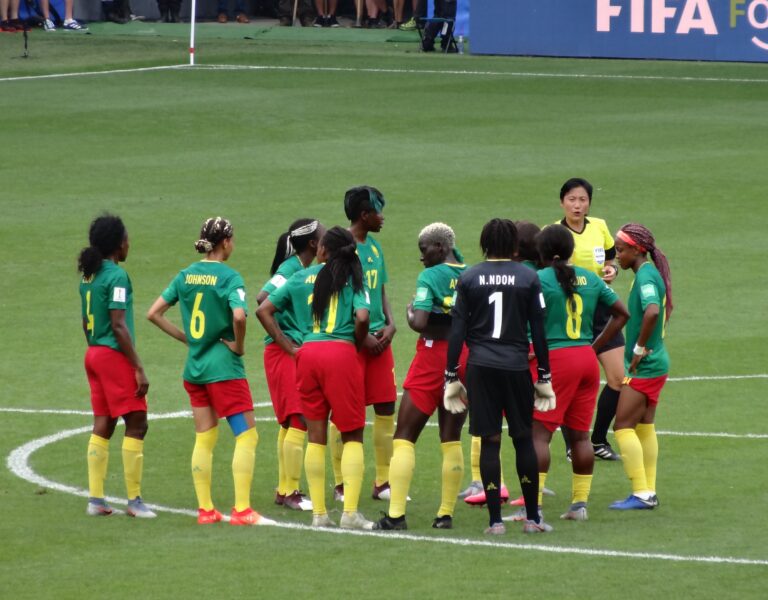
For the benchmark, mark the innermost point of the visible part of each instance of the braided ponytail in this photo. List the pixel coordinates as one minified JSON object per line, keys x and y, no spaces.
{"x":342,"y":266}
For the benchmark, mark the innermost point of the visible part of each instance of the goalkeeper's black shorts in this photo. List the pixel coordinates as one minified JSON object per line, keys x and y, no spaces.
{"x":495,"y":393}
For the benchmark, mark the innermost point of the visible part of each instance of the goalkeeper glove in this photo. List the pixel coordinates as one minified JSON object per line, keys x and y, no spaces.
{"x":455,"y":394}
{"x":543,"y":394}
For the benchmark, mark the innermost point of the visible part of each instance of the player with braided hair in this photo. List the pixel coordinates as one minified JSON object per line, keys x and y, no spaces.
{"x":429,"y":315}
{"x":646,"y":362}
{"x":295,"y":251}
{"x":115,"y":373}
{"x":213,"y":306}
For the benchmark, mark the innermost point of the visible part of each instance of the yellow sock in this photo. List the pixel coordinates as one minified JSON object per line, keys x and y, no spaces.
{"x":400,"y":475}
{"x":352,"y":471}
{"x":453,"y":471}
{"x":542,"y":481}
{"x":243,"y":462}
{"x":474,"y":458}
{"x":293,"y":454}
{"x":98,"y":460}
{"x":133,"y":465}
{"x":646,"y":433}
{"x":314,"y":468}
{"x":281,"y":486}
{"x":581,"y":486}
{"x":337,"y":447}
{"x":202,"y":466}
{"x":383,"y":430}
{"x":632,"y":456}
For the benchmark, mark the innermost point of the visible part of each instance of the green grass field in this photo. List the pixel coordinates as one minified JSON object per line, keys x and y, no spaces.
{"x":680,"y":147}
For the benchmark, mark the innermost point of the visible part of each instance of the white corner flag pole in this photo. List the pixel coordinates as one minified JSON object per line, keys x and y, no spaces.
{"x":192,"y":34}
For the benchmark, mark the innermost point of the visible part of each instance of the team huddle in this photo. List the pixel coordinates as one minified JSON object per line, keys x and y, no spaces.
{"x":518,"y":336}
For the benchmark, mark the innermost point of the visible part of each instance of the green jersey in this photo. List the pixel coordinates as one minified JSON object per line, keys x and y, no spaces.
{"x":374,"y":276}
{"x":647,"y":288}
{"x":436,"y":288}
{"x":294,"y":298}
{"x":108,"y":289}
{"x":286,"y":319}
{"x":207,"y":293}
{"x":569,"y":323}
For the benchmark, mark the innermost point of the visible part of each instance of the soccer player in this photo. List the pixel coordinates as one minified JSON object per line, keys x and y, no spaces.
{"x":429,"y":315}
{"x":572,"y":295}
{"x":646,"y":360}
{"x":211,"y":297}
{"x":595,"y":252}
{"x":331,"y":302}
{"x":115,"y":373}
{"x":364,"y":208}
{"x":495,"y":302}
{"x":295,"y":251}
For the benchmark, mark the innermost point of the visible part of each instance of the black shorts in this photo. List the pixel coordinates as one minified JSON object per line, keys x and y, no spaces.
{"x":494,"y":393}
{"x":602,"y":314}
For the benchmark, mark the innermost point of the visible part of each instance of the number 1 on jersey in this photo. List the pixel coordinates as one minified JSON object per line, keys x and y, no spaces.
{"x":496,"y":299}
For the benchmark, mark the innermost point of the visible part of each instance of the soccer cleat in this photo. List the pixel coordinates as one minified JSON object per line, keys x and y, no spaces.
{"x":474,"y":488}
{"x":443,"y":522}
{"x":534,"y":527}
{"x":98,"y":507}
{"x":73,"y":25}
{"x":479,"y":498}
{"x":137,"y":508}
{"x":387,"y":523}
{"x":577,"y":512}
{"x":496,"y":529}
{"x":633,"y":502}
{"x":322,"y":521}
{"x":409,"y":25}
{"x":520,"y":515}
{"x":338,"y":493}
{"x":605,"y":452}
{"x":297,"y":501}
{"x":355,"y":520}
{"x":383,"y":492}
{"x":248,"y":517}
{"x":279,"y":498}
{"x":519,"y":501}
{"x":654,"y":500}
{"x":206,"y":517}
{"x":49,"y":25}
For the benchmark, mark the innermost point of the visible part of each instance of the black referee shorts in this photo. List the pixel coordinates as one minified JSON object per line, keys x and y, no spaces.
{"x":602,"y":314}
{"x":494,"y":393}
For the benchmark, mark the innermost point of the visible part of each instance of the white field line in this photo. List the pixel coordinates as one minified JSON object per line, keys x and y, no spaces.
{"x":418,"y":72}
{"x":18,"y":464}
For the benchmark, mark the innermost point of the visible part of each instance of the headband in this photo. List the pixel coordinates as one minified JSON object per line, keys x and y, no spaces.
{"x":304,"y":230}
{"x":628,"y":239}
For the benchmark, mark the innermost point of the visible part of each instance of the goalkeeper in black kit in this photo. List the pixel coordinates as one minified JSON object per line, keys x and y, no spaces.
{"x":495,"y":302}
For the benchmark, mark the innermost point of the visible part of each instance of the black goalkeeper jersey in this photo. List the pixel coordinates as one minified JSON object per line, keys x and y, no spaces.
{"x":495,"y":302}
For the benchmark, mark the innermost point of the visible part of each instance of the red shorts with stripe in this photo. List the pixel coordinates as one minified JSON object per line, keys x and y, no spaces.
{"x":576,"y":381}
{"x":330,"y":382}
{"x":378,"y":376}
{"x":648,"y":386}
{"x":226,"y":398}
{"x":425,"y":379}
{"x":112,"y":379}
{"x":280,"y":370}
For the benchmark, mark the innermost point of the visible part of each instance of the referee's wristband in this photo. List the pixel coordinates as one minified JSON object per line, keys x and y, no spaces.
{"x":638,"y":350}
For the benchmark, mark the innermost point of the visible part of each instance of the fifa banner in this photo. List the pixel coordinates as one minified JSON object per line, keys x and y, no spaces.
{"x":726,"y":30}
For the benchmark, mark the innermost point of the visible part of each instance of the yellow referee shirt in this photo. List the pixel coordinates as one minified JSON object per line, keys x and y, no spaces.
{"x":594,"y":245}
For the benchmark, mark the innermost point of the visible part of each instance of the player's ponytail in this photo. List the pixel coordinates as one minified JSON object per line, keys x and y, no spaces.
{"x":555,"y":245}
{"x":341,"y":267}
{"x":106,"y":235}
{"x":641,"y":238}
{"x":214,"y":231}
{"x":294,"y":241}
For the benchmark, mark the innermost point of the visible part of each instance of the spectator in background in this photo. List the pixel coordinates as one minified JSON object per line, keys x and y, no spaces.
{"x":9,"y":16}
{"x":444,"y":9}
{"x":69,"y":22}
{"x":400,"y":22}
{"x":305,"y":12}
{"x":326,"y":13}
{"x":379,"y":15}
{"x":239,"y":7}
{"x":169,"y":11}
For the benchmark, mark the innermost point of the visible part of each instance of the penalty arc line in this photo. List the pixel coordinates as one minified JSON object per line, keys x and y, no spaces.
{"x":18,"y":464}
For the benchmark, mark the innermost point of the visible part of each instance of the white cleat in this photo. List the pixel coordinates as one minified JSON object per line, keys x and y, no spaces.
{"x":322,"y":521}
{"x":137,"y":508}
{"x":355,"y":520}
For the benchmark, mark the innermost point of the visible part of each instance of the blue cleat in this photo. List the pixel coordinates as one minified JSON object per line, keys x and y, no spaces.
{"x":632,"y":502}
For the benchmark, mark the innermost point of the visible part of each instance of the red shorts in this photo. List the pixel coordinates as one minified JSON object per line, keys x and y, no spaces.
{"x":280,"y":370}
{"x":650,"y":387}
{"x":227,"y":398}
{"x":576,"y":381}
{"x":378,"y":376}
{"x":113,"y":383}
{"x":329,"y":382}
{"x":425,"y":379}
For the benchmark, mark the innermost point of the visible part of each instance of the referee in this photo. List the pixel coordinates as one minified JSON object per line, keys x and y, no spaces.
{"x":495,"y":301}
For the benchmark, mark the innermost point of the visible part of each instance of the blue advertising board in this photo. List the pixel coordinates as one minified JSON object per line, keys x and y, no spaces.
{"x":724,"y":30}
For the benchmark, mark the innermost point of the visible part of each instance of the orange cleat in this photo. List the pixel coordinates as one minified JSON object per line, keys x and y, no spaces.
{"x":205,"y":517}
{"x":248,"y":517}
